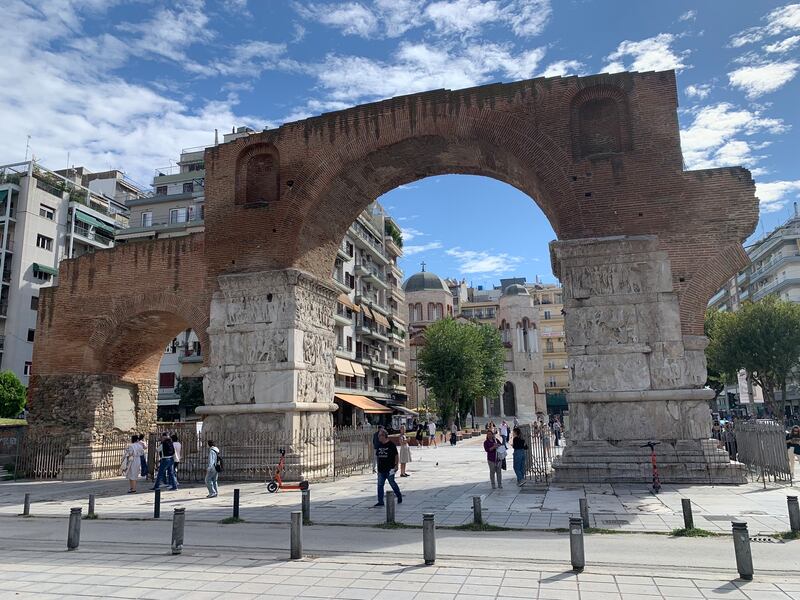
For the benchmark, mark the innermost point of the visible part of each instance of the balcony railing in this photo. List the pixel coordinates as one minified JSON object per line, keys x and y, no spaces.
{"x":94,"y":236}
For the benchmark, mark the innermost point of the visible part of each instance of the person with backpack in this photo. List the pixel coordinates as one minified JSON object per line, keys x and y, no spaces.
{"x":166,"y":467}
{"x":214,"y":468}
{"x":491,"y":446}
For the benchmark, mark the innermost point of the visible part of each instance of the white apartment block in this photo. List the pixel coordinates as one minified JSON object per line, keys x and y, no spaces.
{"x":47,"y":216}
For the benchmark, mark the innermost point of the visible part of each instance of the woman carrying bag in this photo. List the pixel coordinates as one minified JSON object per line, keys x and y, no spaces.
{"x":520,"y":450}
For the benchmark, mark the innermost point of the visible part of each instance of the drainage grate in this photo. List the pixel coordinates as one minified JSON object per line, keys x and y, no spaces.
{"x":720,"y":518}
{"x":615,"y":522}
{"x":764,"y":539}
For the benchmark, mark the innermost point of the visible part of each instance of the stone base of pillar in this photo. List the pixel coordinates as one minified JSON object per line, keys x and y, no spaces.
{"x":79,"y":462}
{"x":679,"y":461}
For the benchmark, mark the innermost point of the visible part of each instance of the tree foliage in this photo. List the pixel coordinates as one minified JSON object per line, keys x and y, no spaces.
{"x":763,"y":338}
{"x":460,"y":363}
{"x":190,"y":389}
{"x":12,"y":395}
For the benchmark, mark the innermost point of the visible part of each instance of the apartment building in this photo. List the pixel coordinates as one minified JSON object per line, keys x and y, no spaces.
{"x":370,"y":323}
{"x":47,"y":216}
{"x":549,"y":300}
{"x":511,"y":309}
{"x":774,"y":269}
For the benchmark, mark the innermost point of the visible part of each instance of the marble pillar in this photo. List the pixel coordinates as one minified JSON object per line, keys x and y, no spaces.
{"x":634,"y":377}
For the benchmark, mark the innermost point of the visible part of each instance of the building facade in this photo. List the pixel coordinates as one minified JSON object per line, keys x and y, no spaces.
{"x":549,"y":300}
{"x":512,"y":310}
{"x":46,"y":216}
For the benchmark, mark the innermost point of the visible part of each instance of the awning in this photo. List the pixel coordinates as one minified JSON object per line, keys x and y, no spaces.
{"x":90,"y":220}
{"x":367,"y":312}
{"x":344,"y":367}
{"x":358,"y":369}
{"x":45,"y":269}
{"x":345,"y":300}
{"x":368,"y":406}
{"x":406,"y":411}
{"x":380,"y":319}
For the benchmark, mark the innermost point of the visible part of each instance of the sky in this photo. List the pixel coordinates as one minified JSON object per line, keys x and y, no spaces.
{"x":128,"y":84}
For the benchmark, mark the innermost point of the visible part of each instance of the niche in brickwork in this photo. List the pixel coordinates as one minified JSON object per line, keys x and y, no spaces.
{"x":258,"y":175}
{"x":600,"y":122}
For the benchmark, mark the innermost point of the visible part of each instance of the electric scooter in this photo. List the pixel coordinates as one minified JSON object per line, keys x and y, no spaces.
{"x":656,"y":479}
{"x":277,"y":480}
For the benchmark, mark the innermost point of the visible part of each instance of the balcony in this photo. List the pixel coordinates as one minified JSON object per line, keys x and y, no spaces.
{"x":397,"y":364}
{"x":396,"y":316}
{"x":775,"y":286}
{"x":340,"y":283}
{"x":379,"y":333}
{"x":92,"y":236}
{"x":342,"y":318}
{"x":343,"y":352}
{"x":392,"y":247}
{"x":363,"y":329}
{"x":4,"y":308}
{"x":189,"y":355}
{"x":342,"y":253}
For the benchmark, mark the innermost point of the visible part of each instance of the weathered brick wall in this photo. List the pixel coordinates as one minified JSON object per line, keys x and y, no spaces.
{"x":534,"y":135}
{"x":108,"y":320}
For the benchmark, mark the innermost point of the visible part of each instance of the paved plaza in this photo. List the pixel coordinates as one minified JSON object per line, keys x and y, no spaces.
{"x":443,"y":480}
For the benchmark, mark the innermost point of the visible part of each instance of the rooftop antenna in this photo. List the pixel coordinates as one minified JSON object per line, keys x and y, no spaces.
{"x":27,"y":147}
{"x":216,"y":137}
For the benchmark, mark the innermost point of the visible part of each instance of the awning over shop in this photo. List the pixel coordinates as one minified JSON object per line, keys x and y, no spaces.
{"x":406,"y":411}
{"x":358,"y":369}
{"x":344,"y":367}
{"x":90,"y":220}
{"x":345,"y":300}
{"x":367,"y":312}
{"x":45,"y":269}
{"x":367,"y":405}
{"x":380,"y":319}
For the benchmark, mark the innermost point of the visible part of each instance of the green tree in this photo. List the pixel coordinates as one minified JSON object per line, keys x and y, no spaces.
{"x":763,"y":338}
{"x":459,"y":363}
{"x":190,"y":389}
{"x":715,"y":378}
{"x":12,"y":395}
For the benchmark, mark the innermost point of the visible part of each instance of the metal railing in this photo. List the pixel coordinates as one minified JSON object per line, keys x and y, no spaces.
{"x":540,"y":453}
{"x":761,"y":447}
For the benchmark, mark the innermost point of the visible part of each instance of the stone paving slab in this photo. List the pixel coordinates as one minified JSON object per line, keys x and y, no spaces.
{"x":443,"y":480}
{"x":28,"y":574}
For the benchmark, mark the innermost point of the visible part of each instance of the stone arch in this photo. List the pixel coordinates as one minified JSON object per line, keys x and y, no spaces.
{"x":258,"y":175}
{"x":509,"y":399}
{"x":600,"y":122}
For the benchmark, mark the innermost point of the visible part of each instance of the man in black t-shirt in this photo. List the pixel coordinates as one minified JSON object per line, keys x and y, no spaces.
{"x":388,"y":459}
{"x":166,"y":468}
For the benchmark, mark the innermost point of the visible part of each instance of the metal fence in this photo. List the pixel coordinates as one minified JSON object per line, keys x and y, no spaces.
{"x":539,"y":457}
{"x":40,"y":457}
{"x":761,"y":447}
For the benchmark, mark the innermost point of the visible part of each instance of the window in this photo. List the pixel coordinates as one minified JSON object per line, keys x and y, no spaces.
{"x":41,"y":275}
{"x":34,"y":302}
{"x":349,"y":248}
{"x":31,"y":334}
{"x":161,"y":190}
{"x":549,"y":346}
{"x":47,"y":212}
{"x":202,"y":210}
{"x":350,"y":280}
{"x":188,"y":187}
{"x":198,"y":166}
{"x":166,"y":380}
{"x":178,"y":215}
{"x":42,"y":241}
{"x":547,"y":314}
{"x":147,"y":219}
{"x":349,"y":344}
{"x":28,"y":368}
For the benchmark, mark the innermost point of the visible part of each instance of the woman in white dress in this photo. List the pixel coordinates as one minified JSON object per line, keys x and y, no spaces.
{"x":130,"y":467}
{"x":405,"y":452}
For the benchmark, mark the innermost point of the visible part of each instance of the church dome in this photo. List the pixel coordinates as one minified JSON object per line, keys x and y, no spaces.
{"x":423,"y":282}
{"x":516,"y":289}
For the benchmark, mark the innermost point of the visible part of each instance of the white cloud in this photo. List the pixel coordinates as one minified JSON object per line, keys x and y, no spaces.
{"x":419,"y":67}
{"x":248,"y":59}
{"x":409,"y":233}
{"x":462,"y":16}
{"x":699,"y":91}
{"x":714,"y":138}
{"x":399,"y":16}
{"x":528,"y":17}
{"x":779,"y":21}
{"x":783,"y":45}
{"x":651,"y":54}
{"x":351,"y":18}
{"x":563,"y":68}
{"x":689,"y":15}
{"x":411,"y":250}
{"x":774,"y":195}
{"x":472,"y":261}
{"x":758,"y":80}
{"x":169,"y":32}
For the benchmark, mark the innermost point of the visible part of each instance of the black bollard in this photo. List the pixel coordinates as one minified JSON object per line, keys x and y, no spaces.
{"x":390,"y":507}
{"x":477,"y":510}
{"x":305,"y":498}
{"x":157,"y":505}
{"x":178,"y":524}
{"x":296,"y":536}
{"x":26,"y":507}
{"x":583,"y":503}
{"x":688,"y":519}
{"x":794,"y":514}
{"x":428,"y":538}
{"x":90,"y":514}
{"x":576,"y":544}
{"x":236,"y":503}
{"x":74,"y":531}
{"x":741,"y":546}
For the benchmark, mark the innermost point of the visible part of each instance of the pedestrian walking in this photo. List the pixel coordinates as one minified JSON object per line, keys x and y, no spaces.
{"x":557,"y":430}
{"x":166,"y":469}
{"x":131,"y":466}
{"x":491,"y":447}
{"x":520,"y":453}
{"x":405,"y":452}
{"x":420,"y":434}
{"x":793,"y":447}
{"x":214,"y":467}
{"x":388,"y":459}
{"x":432,"y":433}
{"x":516,"y":422}
{"x":729,"y":439}
{"x":178,"y":455}
{"x":143,"y":458}
{"x":504,"y":431}
{"x":453,"y":434}
{"x":544,"y":434}
{"x":375,"y":443}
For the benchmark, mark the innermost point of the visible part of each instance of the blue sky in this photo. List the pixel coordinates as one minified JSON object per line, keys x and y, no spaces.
{"x":127,"y":84}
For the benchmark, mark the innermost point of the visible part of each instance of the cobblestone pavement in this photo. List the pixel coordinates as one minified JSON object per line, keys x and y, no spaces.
{"x":197,"y":576}
{"x":443,"y":480}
